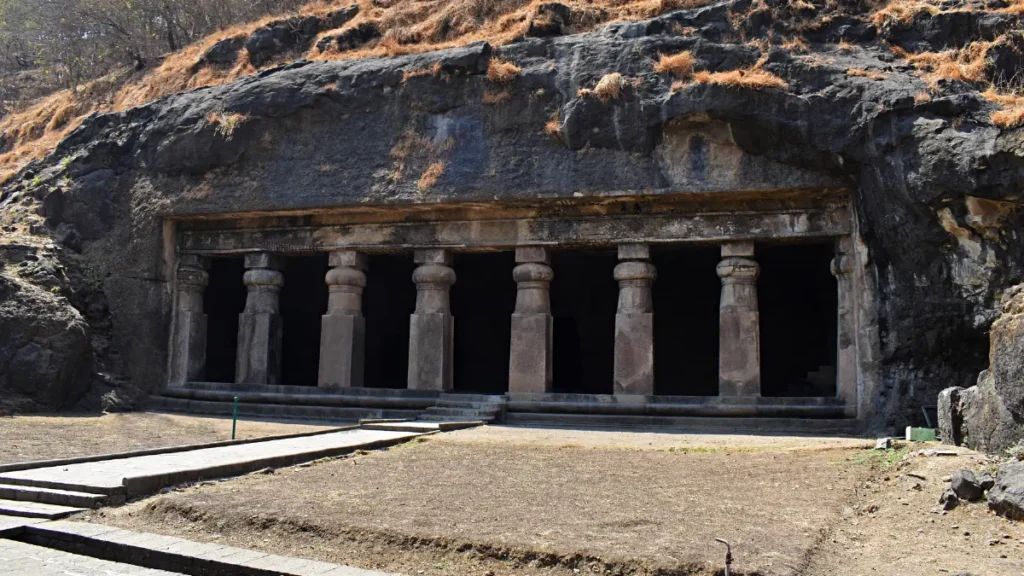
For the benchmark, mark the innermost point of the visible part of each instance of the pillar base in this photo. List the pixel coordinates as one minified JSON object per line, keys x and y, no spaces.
{"x":531,"y":362}
{"x":342,"y":342}
{"x":188,"y":349}
{"x":739,"y":365}
{"x":259,"y":349}
{"x":634,"y":353}
{"x":431,"y":351}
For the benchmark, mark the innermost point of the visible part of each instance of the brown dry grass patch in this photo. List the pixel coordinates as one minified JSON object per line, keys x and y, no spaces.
{"x":865,"y":73}
{"x":609,"y":87}
{"x":679,"y":65}
{"x":754,"y":78}
{"x":966,"y":64}
{"x":226,"y":123}
{"x":495,"y":97}
{"x":1012,"y":113}
{"x":501,"y":72}
{"x":430,"y":175}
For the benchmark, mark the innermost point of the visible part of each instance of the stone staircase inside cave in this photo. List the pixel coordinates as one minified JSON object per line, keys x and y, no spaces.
{"x":456,"y":407}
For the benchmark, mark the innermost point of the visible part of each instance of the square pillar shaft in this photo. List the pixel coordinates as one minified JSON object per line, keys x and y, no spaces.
{"x":343,"y":328}
{"x":432,"y":326}
{"x":531,"y":357}
{"x":188,"y":343}
{"x":846,"y":368}
{"x":259,"y":325}
{"x":739,"y":360}
{"x":634,"y":322}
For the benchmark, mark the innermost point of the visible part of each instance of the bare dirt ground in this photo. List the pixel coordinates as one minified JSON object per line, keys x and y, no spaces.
{"x":515,"y":501}
{"x":62,"y":436}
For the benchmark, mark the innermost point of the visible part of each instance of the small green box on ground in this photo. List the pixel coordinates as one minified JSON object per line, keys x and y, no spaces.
{"x":920,"y":434}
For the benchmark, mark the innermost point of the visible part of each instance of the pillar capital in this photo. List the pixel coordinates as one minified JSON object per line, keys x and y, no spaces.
{"x":634,"y":251}
{"x":348,"y":259}
{"x":432,"y":256}
{"x":738,"y":270}
{"x":538,"y":254}
{"x":192,"y":273}
{"x":267,"y":260}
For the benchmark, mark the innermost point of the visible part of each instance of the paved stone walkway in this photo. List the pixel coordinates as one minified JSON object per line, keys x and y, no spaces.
{"x":145,"y":474}
{"x":19,"y":559}
{"x":170,"y":553}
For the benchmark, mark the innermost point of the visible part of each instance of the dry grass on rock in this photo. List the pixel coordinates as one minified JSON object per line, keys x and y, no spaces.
{"x":608,"y":88}
{"x":679,"y":65}
{"x":1012,"y":113}
{"x":501,"y":72}
{"x":753,"y":78}
{"x":406,"y":27}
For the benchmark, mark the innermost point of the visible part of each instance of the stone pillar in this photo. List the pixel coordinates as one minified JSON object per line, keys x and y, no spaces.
{"x":431,"y":326}
{"x":259,"y":325}
{"x":634,"y":321}
{"x":531,"y":359}
{"x":846,"y":361}
{"x":188,"y":346}
{"x":739,"y":334}
{"x":343,"y":328}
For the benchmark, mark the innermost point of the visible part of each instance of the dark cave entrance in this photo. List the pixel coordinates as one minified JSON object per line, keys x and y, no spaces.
{"x":798,"y":302}
{"x":223,"y":301}
{"x":389,"y":299}
{"x":584,"y":296}
{"x":686,"y":295}
{"x":303,"y":303}
{"x":483,"y":300}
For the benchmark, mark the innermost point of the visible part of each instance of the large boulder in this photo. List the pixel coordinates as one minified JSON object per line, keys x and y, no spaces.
{"x":1006,"y":497}
{"x":293,"y":34}
{"x":990,"y":415}
{"x":45,"y":353}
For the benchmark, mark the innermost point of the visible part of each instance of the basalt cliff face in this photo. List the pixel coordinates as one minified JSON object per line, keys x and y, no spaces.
{"x":937,"y":183}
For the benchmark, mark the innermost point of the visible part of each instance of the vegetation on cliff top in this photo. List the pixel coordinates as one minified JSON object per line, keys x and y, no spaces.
{"x":394,"y":27}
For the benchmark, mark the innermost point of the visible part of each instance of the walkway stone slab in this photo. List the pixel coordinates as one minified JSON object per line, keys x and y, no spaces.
{"x":36,"y":510}
{"x":146,"y":474}
{"x":12,"y":525}
{"x":19,"y":559}
{"x":420,"y":427}
{"x":167,"y":552}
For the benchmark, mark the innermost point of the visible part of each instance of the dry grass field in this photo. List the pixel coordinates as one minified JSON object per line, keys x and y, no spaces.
{"x":516,"y":501}
{"x":61,"y":436}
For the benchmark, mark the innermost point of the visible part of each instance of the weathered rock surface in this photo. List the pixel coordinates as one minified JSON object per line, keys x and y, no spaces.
{"x":1006,"y":497}
{"x":293,"y":34}
{"x":45,"y":360}
{"x":990,"y":415}
{"x":931,"y":175}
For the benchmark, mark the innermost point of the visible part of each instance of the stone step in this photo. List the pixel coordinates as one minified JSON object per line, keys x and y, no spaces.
{"x":335,"y":391}
{"x":51,"y":496}
{"x":453,"y":419}
{"x":441,"y":411}
{"x":443,"y":403}
{"x":36,"y":510}
{"x":322,"y":413}
{"x":305,"y":398}
{"x":461,"y":397}
{"x":699,"y":424}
